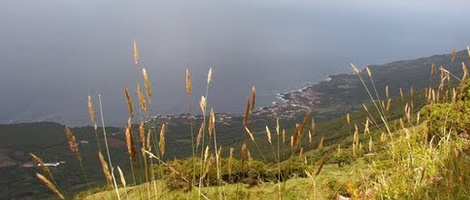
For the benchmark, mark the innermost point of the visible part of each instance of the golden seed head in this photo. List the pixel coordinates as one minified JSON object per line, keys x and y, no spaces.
{"x":268,"y":134}
{"x":247,"y":111}
{"x":465,"y":71}
{"x":147,"y":85}
{"x":454,"y":55}
{"x":253,"y":98}
{"x":50,"y":185}
{"x":147,"y":142}
{"x":202,"y":104}
{"x":211,"y":122}
{"x":188,"y":83}
{"x":123,"y":179}
{"x":468,"y":53}
{"x":310,"y":137}
{"x":105,"y":168}
{"x":355,"y":69}
{"x":199,"y":135}
{"x":250,"y":134}
{"x":368,"y":72}
{"x":91,"y":111}
{"x":209,"y":77}
{"x":284,"y":136}
{"x":136,"y":53}
{"x":161,"y":143}
{"x":142,"y":133}
{"x":130,"y":142}
{"x":73,"y":144}
{"x":387,"y":94}
{"x":143,"y":104}
{"x":278,"y":127}
{"x":44,"y":168}
{"x":129,"y":102}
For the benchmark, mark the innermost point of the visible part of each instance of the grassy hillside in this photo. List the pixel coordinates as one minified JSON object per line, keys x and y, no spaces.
{"x":377,"y":146}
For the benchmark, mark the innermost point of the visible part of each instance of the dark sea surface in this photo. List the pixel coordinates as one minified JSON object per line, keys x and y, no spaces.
{"x":55,"y":53}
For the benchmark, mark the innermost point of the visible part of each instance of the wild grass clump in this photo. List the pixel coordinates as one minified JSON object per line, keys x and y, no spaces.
{"x":386,"y":155}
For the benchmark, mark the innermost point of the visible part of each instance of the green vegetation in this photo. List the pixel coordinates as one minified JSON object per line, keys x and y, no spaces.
{"x":395,"y":144}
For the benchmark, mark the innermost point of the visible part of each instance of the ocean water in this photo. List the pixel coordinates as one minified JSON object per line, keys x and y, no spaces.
{"x":53,"y":54}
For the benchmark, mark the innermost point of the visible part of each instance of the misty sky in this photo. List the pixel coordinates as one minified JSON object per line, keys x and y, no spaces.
{"x":54,"y":53}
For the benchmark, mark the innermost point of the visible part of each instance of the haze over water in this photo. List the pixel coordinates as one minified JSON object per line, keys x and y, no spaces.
{"x":53,"y":54}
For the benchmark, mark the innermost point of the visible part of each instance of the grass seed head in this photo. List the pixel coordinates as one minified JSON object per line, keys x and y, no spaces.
{"x":136,"y":53}
{"x":320,"y":145}
{"x":105,"y":168}
{"x":199,"y":135}
{"x":250,"y":134}
{"x":369,"y":72}
{"x":211,"y":122}
{"x":188,"y":84}
{"x":202,"y":105}
{"x":142,"y":134}
{"x":91,"y":111}
{"x":123,"y":179}
{"x":50,"y":185}
{"x":143,"y":104}
{"x":355,"y":69}
{"x":268,"y":134}
{"x":209,"y":77}
{"x":247,"y":111}
{"x":454,"y":55}
{"x":147,"y":85}
{"x":129,"y":103}
{"x":161,"y":143}
{"x":73,"y":144}
{"x":253,"y":98}
{"x":130,"y":142}
{"x":44,"y":168}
